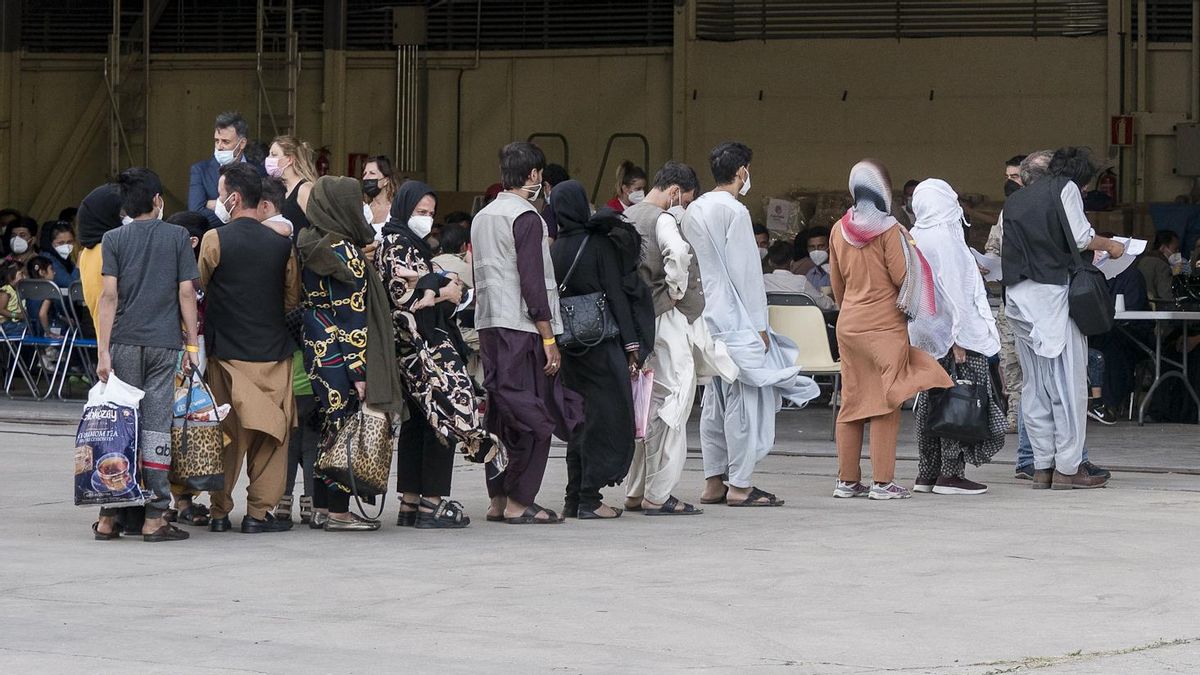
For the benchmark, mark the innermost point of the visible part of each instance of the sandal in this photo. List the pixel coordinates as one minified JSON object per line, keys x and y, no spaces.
{"x":106,"y":536}
{"x":195,"y":514}
{"x":446,"y":514}
{"x":408,"y":518}
{"x":668,"y":509}
{"x":590,"y":514}
{"x":171,"y":515}
{"x":718,"y":500}
{"x":306,"y":510}
{"x":283,"y":510}
{"x":529,"y":517}
{"x":167,"y":532}
{"x":753,"y":499}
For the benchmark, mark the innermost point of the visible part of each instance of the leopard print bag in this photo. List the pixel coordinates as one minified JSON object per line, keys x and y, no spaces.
{"x":358,"y":458}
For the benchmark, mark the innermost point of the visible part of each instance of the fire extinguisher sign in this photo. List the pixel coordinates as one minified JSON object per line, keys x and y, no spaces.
{"x":1121,"y":130}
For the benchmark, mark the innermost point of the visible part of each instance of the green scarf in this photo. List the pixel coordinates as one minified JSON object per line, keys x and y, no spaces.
{"x":336,"y":214}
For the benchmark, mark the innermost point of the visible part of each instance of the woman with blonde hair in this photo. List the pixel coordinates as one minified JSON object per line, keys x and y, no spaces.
{"x":631,"y":186}
{"x":292,"y":160}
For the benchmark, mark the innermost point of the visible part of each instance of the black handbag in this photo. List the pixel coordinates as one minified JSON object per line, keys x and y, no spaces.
{"x":1090,"y":303}
{"x":960,"y":413}
{"x":587,"y":320}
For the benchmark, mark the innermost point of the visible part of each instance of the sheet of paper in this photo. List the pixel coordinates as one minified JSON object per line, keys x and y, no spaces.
{"x":990,"y":263}
{"x":1111,"y":268}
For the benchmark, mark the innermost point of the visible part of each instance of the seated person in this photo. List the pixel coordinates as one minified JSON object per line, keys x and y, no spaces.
{"x":1121,"y":354}
{"x":62,"y":245}
{"x":1156,"y":266}
{"x":815,"y":261}
{"x":1097,"y":409}
{"x":40,"y":267}
{"x":782,"y":280}
{"x":12,"y":317}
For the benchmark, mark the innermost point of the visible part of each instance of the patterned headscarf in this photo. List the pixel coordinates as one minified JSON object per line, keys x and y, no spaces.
{"x":870,"y":217}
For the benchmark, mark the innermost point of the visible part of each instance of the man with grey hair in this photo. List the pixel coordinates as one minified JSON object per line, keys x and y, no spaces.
{"x":1038,"y":248}
{"x":229,"y":146}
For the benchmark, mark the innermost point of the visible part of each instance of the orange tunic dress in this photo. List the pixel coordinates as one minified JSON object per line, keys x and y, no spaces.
{"x":880,"y":370}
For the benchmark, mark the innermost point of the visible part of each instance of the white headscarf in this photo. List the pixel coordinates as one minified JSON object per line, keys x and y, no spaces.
{"x":935,"y":204}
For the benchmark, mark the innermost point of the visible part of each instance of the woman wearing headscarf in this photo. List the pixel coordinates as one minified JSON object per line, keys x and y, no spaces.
{"x":966,"y":350}
{"x":99,"y":212}
{"x":881,"y":282}
{"x":347,"y":325}
{"x":443,"y":406}
{"x":604,"y":251}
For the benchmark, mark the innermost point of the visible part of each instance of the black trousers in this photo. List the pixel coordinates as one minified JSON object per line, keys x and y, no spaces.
{"x":302,"y":444}
{"x":423,"y":464}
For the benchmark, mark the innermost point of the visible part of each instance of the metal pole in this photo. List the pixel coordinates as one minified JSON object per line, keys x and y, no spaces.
{"x":145,"y":83}
{"x":1140,"y":118}
{"x":399,"y":96}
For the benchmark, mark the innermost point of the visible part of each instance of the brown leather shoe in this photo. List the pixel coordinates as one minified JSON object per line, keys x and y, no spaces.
{"x":1081,"y":479}
{"x":1042,"y":478}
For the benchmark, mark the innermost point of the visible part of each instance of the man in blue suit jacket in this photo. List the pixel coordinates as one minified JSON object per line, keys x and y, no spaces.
{"x":229,"y":145}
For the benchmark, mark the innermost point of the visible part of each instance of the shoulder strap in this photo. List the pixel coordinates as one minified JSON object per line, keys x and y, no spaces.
{"x":1074,"y":261}
{"x":562,"y":288}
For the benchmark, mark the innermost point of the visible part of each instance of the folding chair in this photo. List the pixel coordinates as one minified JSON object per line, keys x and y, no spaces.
{"x":74,"y":300}
{"x":12,"y":342}
{"x":36,"y":291}
{"x":805,"y":325}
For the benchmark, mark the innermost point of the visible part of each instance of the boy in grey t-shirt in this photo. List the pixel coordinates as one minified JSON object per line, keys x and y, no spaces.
{"x":148,"y":269}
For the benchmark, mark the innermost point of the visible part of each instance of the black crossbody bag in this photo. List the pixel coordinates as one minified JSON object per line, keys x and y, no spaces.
{"x":1090,"y":302}
{"x":587,"y":320}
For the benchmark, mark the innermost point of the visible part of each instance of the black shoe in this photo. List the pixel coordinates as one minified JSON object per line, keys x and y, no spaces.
{"x":1093,"y":470}
{"x":267,"y":524}
{"x":1100,"y":412}
{"x":220,"y":525}
{"x":570,"y":510}
{"x":1024,"y":472}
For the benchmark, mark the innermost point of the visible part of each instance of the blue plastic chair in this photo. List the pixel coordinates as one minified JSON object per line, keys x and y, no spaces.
{"x":74,"y":300}
{"x":12,"y":342}
{"x":37,"y":291}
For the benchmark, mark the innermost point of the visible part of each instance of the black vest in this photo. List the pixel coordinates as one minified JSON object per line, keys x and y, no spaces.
{"x":1035,"y":244}
{"x":243,"y":316}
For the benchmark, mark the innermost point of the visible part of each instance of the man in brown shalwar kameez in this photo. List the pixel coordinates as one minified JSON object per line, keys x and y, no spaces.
{"x":249,"y":275}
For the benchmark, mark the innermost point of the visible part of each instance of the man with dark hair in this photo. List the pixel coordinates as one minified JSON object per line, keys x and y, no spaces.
{"x":148,"y":272}
{"x":229,"y":146}
{"x":905,"y":214}
{"x":1012,"y":174}
{"x":1157,"y":266}
{"x":737,"y":426}
{"x":553,"y":175}
{"x":250,"y":281}
{"x":517,"y":316}
{"x":270,"y":207}
{"x":1052,"y":351}
{"x":458,"y":218}
{"x":810,"y":252}
{"x":671,"y":273}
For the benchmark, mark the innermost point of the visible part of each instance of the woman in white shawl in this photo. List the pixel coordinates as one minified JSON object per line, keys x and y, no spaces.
{"x":967,"y":351}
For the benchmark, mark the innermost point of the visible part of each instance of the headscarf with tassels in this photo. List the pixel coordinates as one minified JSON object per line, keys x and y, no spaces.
{"x":870,"y":217}
{"x":336,"y":214}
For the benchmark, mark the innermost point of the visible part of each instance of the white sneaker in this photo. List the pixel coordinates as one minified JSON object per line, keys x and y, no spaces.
{"x":849,"y":490}
{"x":889,"y":491}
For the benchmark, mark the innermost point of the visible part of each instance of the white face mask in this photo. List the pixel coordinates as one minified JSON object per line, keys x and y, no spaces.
{"x":745,"y":186}
{"x":535,"y":190}
{"x":224,"y":157}
{"x":222,"y":211}
{"x":762,"y":253}
{"x":18,"y":245}
{"x":818,"y":257}
{"x":676,"y":213}
{"x":1175,"y":259}
{"x":637,"y":196}
{"x":63,"y":250}
{"x":421,"y":225}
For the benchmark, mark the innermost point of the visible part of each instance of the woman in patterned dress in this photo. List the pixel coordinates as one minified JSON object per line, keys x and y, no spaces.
{"x":337,"y":326}
{"x":443,"y":405}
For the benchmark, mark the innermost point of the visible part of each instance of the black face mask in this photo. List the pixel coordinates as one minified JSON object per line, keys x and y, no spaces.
{"x":1011,"y":186}
{"x":371,"y":187}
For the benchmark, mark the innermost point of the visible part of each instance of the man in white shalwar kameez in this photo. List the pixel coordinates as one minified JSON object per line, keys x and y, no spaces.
{"x":737,"y":425}
{"x":1037,"y":258}
{"x":670,"y":272}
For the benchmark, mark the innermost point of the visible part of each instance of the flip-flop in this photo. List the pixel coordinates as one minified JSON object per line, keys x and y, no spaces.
{"x":529,"y":517}
{"x":668,"y":509}
{"x":753,"y":498}
{"x":106,"y":536}
{"x":167,"y":532}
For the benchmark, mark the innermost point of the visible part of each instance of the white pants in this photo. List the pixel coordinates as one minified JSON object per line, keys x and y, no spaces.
{"x":737,"y":429}
{"x":1054,"y":400}
{"x":659,"y":458}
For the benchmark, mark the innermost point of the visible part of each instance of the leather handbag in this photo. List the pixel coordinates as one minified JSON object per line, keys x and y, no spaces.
{"x":358,"y":458}
{"x":587,"y":320}
{"x":1090,"y":303}
{"x":960,"y":413}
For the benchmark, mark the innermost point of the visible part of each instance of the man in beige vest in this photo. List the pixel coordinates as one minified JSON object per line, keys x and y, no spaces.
{"x":670,"y":271}
{"x":517,"y":316}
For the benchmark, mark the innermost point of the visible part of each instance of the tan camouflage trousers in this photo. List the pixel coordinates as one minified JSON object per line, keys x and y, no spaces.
{"x":1009,"y":367}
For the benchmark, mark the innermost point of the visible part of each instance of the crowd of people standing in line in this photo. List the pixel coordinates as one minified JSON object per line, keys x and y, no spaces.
{"x":461,"y":343}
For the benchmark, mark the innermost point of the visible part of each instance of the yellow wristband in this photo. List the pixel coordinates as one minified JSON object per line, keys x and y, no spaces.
{"x":192,"y":349}
{"x":548,"y":341}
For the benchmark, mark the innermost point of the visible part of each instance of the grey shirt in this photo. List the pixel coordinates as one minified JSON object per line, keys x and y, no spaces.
{"x":149,"y":259}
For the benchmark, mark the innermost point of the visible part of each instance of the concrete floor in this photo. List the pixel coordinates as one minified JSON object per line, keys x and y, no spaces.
{"x":1100,"y":581}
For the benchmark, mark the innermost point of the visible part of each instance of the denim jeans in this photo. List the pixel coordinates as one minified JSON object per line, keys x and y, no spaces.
{"x":1025,"y":450}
